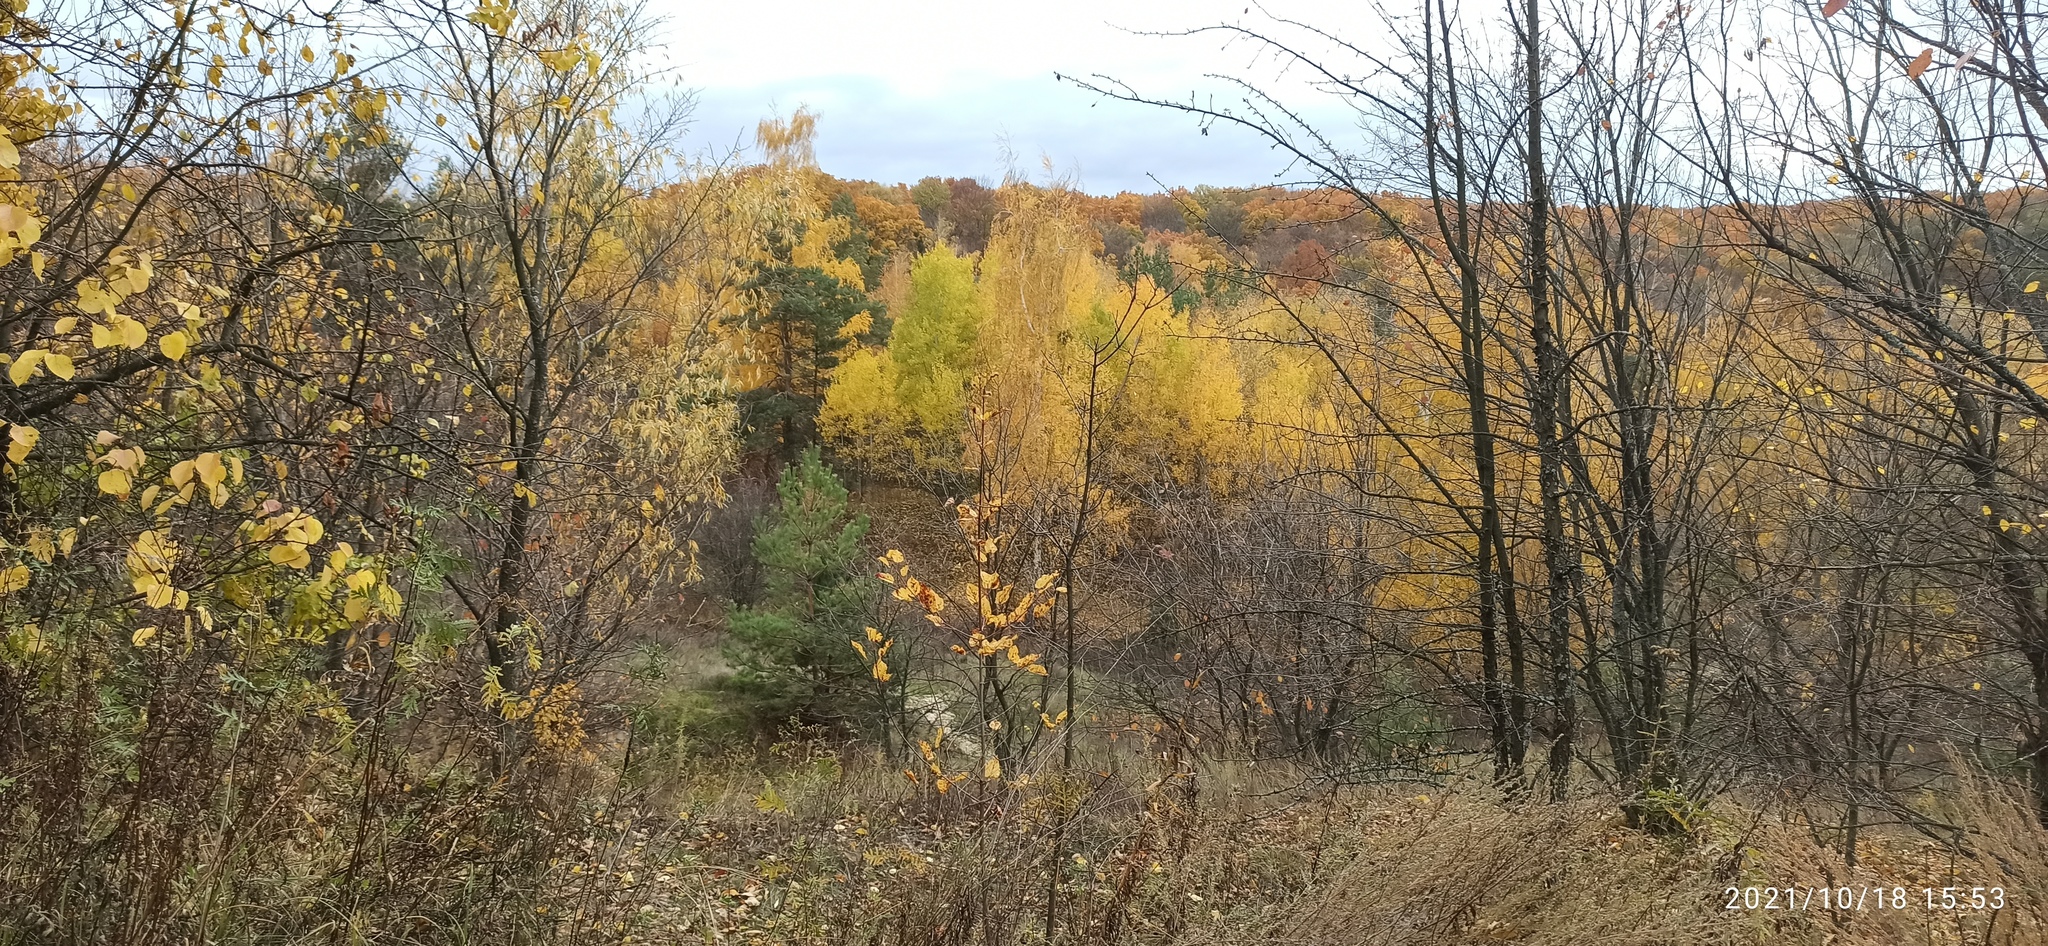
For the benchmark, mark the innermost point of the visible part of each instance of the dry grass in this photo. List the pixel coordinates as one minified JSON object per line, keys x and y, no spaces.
{"x":861,"y":856}
{"x":807,"y":845}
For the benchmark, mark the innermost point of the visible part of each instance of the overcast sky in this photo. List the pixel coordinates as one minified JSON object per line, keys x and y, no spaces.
{"x":909,"y":88}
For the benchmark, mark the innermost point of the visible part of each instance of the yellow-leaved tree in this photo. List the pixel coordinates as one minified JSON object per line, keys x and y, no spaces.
{"x":361,"y":394}
{"x":567,"y":342}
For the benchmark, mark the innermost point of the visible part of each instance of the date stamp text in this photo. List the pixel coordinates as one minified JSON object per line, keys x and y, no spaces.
{"x":1945,"y":899}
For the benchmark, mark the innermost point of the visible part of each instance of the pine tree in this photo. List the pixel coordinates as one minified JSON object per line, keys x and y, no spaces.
{"x":806,"y":320}
{"x":807,"y":308}
{"x":791,"y":652}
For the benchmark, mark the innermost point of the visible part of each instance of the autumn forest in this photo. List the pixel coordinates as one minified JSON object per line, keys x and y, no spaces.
{"x":1597,"y":494}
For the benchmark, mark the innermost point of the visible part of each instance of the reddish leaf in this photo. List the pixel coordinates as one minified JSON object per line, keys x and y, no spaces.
{"x":1920,"y":64}
{"x":1833,"y":7}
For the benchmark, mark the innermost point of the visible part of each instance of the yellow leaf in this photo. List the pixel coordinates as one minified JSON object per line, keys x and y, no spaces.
{"x":93,"y":298}
{"x":21,"y":438}
{"x":310,"y":528}
{"x":115,"y":483}
{"x":991,"y":769}
{"x":172,"y":345}
{"x":2033,"y":286}
{"x":133,"y":334}
{"x":125,"y":458}
{"x":24,"y":366}
{"x":59,"y":365}
{"x":161,"y":595}
{"x":209,"y":468}
{"x":562,"y":60}
{"x":142,"y":635}
{"x":13,"y":579}
{"x":24,"y":224}
{"x":290,"y":554}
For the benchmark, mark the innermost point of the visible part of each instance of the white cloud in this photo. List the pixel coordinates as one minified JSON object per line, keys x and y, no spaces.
{"x":917,"y":87}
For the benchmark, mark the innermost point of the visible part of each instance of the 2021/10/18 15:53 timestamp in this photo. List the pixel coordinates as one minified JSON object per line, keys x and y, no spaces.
{"x":1866,"y":898}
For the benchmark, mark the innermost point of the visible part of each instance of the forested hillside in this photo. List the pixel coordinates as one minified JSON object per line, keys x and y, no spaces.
{"x":1600,"y":494}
